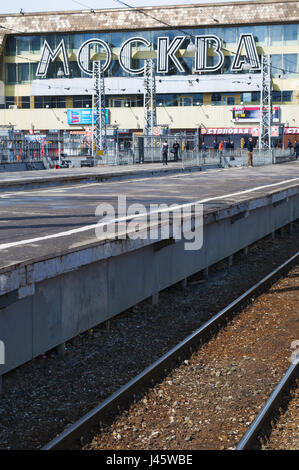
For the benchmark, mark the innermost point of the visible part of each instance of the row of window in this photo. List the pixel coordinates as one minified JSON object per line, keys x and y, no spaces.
{"x":267,"y":35}
{"x":194,"y":99}
{"x":25,"y":72}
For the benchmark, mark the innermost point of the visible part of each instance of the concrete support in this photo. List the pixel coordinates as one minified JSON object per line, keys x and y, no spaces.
{"x":155,"y":299}
{"x":230,"y":261}
{"x":206,"y":273}
{"x":273,"y":235}
{"x":246,"y":250}
{"x":184,"y":283}
{"x":61,"y":350}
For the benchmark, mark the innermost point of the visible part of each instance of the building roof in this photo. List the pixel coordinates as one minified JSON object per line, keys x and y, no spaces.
{"x":176,"y":16}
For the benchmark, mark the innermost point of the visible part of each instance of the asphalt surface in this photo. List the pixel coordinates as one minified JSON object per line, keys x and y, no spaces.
{"x":39,"y":213}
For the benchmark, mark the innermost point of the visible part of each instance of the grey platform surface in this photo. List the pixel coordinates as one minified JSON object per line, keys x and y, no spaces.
{"x":30,"y":214}
{"x":72,"y":175}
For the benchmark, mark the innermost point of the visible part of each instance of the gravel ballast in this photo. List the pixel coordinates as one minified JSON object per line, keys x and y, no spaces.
{"x":48,"y":394}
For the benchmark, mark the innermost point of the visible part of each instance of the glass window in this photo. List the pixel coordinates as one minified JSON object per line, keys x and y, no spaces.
{"x":290,"y":64}
{"x":11,"y":74}
{"x":50,"y":40}
{"x":275,"y":35}
{"x":25,"y":101}
{"x":33,"y":68}
{"x":259,"y":33}
{"x":23,"y":73}
{"x":246,"y":97}
{"x":116,"y":40}
{"x":255,"y":97}
{"x":216,"y":98}
{"x":276,"y":64}
{"x":75,"y":41}
{"x":82,"y":101}
{"x":23,"y":43}
{"x":276,"y":96}
{"x":229,"y":35}
{"x":287,"y":96}
{"x":9,"y":101}
{"x":167,"y":100}
{"x":38,"y":102}
{"x":35,"y":43}
{"x":11,"y":45}
{"x":290,"y":32}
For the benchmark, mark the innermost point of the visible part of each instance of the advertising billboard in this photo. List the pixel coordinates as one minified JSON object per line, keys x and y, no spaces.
{"x":251,"y":114}
{"x":83,"y":116}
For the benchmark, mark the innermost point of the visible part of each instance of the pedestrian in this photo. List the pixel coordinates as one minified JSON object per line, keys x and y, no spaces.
{"x":175,"y":147}
{"x":250,"y":152}
{"x":215,"y":147}
{"x":220,"y":148}
{"x":296,"y":148}
{"x":165,"y":152}
{"x":290,"y":147}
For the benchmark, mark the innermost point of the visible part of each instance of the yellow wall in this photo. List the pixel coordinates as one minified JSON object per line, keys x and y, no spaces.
{"x":189,"y":117}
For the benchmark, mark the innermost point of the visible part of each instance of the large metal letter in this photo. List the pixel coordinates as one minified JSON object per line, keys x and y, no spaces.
{"x":251,"y":53}
{"x":201,"y":57}
{"x":166,"y":51}
{"x":48,"y":54}
{"x":84,"y":55}
{"x":125,"y":54}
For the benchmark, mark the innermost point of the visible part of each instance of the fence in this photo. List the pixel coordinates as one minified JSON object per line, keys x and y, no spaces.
{"x":143,"y":149}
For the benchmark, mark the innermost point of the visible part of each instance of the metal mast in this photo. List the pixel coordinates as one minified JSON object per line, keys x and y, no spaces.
{"x":99,"y":112}
{"x":150,"y":112}
{"x":265,"y":104}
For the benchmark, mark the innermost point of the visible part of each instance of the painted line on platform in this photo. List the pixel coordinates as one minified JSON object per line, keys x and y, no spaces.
{"x":86,"y":228}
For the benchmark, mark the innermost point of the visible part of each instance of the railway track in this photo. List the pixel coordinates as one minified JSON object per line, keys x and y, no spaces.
{"x":256,"y":431}
{"x":120,"y":400}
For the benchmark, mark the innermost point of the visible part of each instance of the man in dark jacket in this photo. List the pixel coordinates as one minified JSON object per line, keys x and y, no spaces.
{"x":165,"y":152}
{"x":296,"y":148}
{"x":250,"y":151}
{"x":176,"y":147}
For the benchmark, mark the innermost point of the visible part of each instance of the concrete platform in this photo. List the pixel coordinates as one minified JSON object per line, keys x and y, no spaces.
{"x":70,"y":176}
{"x":57,"y":279}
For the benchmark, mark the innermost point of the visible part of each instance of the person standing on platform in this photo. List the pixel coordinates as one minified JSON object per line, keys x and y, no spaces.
{"x":296,"y":148}
{"x":250,"y":152}
{"x":165,"y":152}
{"x":176,"y":147}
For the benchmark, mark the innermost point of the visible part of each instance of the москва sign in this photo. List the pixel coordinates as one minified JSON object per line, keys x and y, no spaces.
{"x":166,"y":52}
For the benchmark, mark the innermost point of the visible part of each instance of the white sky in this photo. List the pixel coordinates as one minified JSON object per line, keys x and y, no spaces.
{"x":14,"y":6}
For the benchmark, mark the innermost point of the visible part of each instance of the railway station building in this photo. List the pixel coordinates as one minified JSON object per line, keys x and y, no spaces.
{"x":201,"y":55}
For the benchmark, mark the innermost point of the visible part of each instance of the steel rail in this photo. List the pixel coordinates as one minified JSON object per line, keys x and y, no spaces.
{"x":249,"y":439}
{"x":138,"y":384}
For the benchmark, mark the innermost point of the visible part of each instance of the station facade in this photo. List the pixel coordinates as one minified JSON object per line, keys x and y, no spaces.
{"x":200,"y":54}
